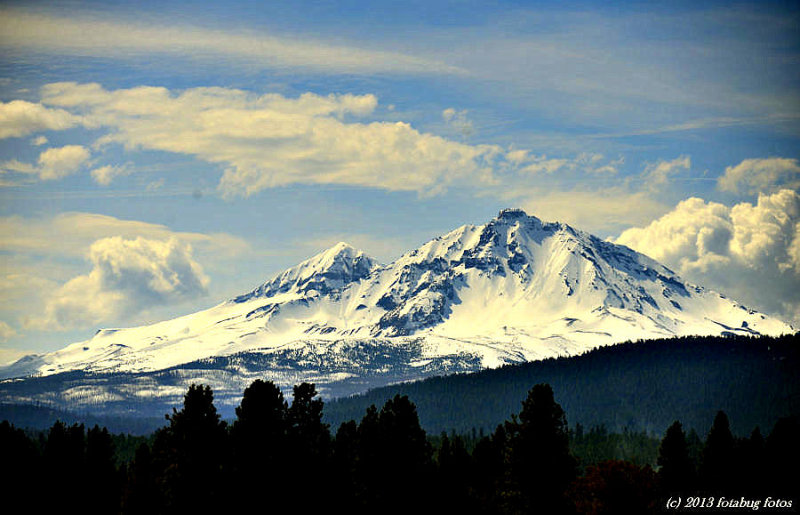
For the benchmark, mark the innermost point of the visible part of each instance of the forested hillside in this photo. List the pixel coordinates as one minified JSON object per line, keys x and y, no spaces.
{"x":639,"y":386}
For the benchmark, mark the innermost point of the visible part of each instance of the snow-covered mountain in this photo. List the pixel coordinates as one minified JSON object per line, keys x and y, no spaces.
{"x":512,"y":290}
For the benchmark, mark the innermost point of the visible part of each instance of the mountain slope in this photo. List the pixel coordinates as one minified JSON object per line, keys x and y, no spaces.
{"x":638,"y":386}
{"x":512,"y":290}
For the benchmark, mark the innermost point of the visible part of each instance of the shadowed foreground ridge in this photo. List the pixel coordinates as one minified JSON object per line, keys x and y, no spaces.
{"x":387,"y":463}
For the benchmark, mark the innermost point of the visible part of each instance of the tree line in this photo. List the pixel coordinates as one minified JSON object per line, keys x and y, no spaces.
{"x":277,"y":454}
{"x":640,"y":386}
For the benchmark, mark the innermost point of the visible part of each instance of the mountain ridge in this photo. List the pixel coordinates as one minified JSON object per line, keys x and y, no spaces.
{"x":512,"y":290}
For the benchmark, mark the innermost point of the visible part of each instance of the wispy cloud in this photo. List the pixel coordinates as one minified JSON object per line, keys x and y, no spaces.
{"x":706,"y":123}
{"x":104,"y":37}
{"x":71,"y":234}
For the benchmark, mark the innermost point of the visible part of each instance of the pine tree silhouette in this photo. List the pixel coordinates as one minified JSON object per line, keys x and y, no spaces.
{"x":190,"y":452}
{"x":259,"y":438}
{"x":102,"y":478}
{"x":454,"y":474}
{"x":540,"y":464}
{"x":309,"y":440}
{"x":677,"y":473}
{"x":718,"y":462}
{"x":21,"y":469}
{"x":142,"y":495}
{"x":782,"y":451}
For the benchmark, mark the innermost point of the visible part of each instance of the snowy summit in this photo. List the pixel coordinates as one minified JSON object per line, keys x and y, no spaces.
{"x":514,"y":289}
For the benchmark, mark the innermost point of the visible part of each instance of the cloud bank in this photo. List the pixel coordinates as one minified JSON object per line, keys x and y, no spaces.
{"x":53,"y":163}
{"x":761,"y":176}
{"x":271,"y":140}
{"x":134,"y":266}
{"x":19,"y":118}
{"x":749,"y":252}
{"x":127,"y":277}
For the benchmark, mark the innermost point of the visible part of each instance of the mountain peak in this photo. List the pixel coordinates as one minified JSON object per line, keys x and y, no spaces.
{"x":512,"y":213}
{"x":325,"y":273}
{"x":339,"y":250}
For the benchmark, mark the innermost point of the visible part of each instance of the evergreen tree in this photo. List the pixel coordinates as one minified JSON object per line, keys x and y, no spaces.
{"x":102,"y":477}
{"x":454,"y":474}
{"x":259,"y":440}
{"x":489,"y":468}
{"x":718,"y":463}
{"x":190,"y":453}
{"x":783,"y":455}
{"x":345,"y":463}
{"x":751,"y":471}
{"x":21,"y":463}
{"x":394,"y":456}
{"x":540,"y":464}
{"x":677,"y":471}
{"x":142,"y":496}
{"x":309,"y":436}
{"x":369,"y":463}
{"x":310,"y":442}
{"x":64,"y":466}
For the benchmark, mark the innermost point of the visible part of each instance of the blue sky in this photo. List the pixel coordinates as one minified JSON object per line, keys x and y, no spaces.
{"x":156,"y":159}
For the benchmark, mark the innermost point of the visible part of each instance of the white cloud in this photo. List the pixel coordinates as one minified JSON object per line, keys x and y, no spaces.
{"x":123,"y":38}
{"x":751,"y":253}
{"x":657,"y":175}
{"x":761,"y":175}
{"x":42,"y":255}
{"x":105,"y":174}
{"x":20,"y":118}
{"x":271,"y":140}
{"x":127,"y":277}
{"x":53,"y":163}
{"x":39,"y":141}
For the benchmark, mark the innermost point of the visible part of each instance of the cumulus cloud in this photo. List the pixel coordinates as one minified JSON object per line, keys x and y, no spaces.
{"x":43,"y":254}
{"x":53,"y":163}
{"x":750,"y":252}
{"x":271,"y":140}
{"x":105,"y":174}
{"x":20,"y":118}
{"x":761,"y":175}
{"x":127,"y":277}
